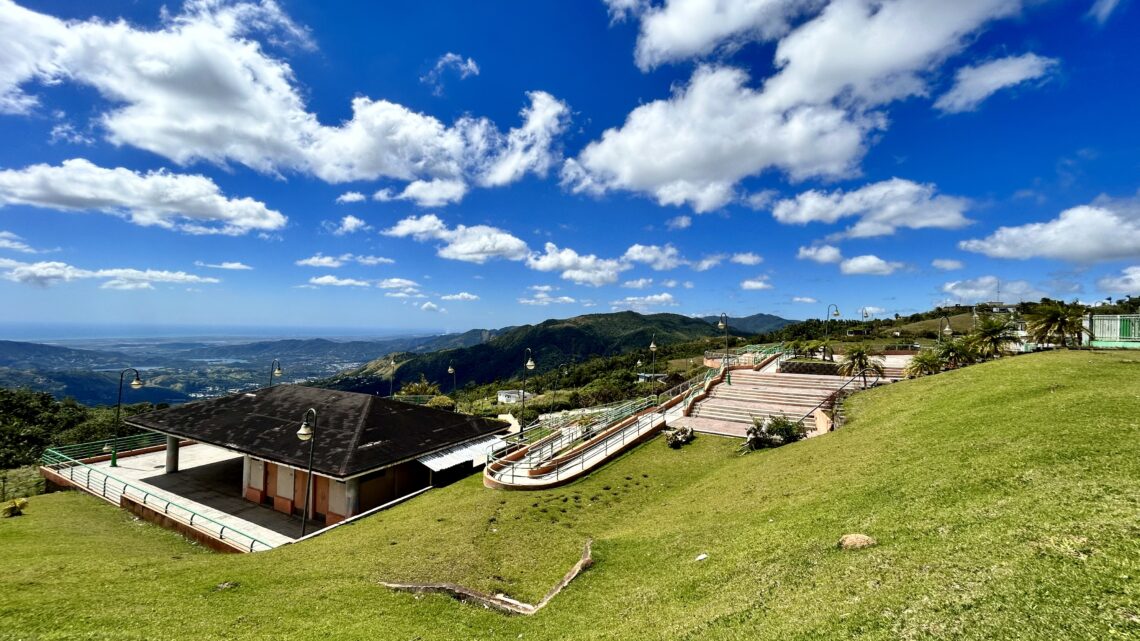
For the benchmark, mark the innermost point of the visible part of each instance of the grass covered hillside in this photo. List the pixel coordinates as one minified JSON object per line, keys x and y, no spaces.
{"x":1005,"y":498}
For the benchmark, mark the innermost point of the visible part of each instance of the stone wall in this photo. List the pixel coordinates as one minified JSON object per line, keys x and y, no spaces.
{"x":819,"y":368}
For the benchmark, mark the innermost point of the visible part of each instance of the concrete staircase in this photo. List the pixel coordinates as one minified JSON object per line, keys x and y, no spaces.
{"x":730,"y":408}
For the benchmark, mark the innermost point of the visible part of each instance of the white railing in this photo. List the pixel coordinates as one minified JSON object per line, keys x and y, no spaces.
{"x":112,"y":489}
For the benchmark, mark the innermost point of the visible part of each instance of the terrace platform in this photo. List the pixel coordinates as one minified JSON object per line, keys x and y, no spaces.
{"x":209,"y":483}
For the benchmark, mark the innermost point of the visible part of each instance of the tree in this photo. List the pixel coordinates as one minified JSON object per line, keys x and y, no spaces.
{"x":420,"y":388}
{"x":956,"y":352}
{"x":992,"y":336}
{"x":924,"y":363}
{"x":859,"y":359}
{"x":1055,"y":322}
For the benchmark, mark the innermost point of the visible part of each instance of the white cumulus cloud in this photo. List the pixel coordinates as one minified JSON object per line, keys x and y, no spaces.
{"x":1128,"y":282}
{"x":47,"y":273}
{"x":463,"y":296}
{"x":333,"y":281}
{"x":820,"y":254}
{"x":881,"y":208}
{"x":946,"y":264}
{"x":350,"y":197}
{"x":476,"y":244}
{"x":349,"y":225}
{"x":758,"y":283}
{"x":990,"y":288}
{"x":869,"y":265}
{"x":640,"y":283}
{"x":804,"y":299}
{"x":657,"y":257}
{"x":230,"y":265}
{"x":585,"y":269}
{"x":182,"y":202}
{"x":642,"y":303}
{"x":692,"y":148}
{"x":1108,"y":229}
{"x":747,"y":258}
{"x":207,"y":85}
{"x":679,"y":222}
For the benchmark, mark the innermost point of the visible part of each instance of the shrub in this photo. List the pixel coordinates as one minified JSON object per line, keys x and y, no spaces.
{"x":678,"y":437}
{"x":14,"y":507}
{"x":773,"y":431}
{"x":441,"y":402}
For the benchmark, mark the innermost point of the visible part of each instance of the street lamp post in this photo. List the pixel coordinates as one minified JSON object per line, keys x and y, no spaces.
{"x":451,"y":370}
{"x":944,"y":330}
{"x":306,"y":433}
{"x":135,"y":384}
{"x":526,"y":368}
{"x":723,"y":324}
{"x":391,"y":376}
{"x":274,"y":370}
{"x":827,"y":317}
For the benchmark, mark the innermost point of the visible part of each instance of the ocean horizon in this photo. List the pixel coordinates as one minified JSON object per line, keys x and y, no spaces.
{"x":33,"y":332}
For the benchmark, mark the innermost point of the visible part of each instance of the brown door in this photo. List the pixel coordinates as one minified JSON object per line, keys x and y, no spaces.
{"x":270,"y":483}
{"x":321,"y":504}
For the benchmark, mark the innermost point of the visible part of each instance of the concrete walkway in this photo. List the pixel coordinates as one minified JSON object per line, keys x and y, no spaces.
{"x":209,"y":483}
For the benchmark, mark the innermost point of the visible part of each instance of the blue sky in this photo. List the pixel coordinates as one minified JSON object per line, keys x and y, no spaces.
{"x":442,"y":166}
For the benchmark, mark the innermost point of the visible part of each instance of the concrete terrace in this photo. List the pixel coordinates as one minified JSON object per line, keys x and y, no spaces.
{"x":208,"y":482}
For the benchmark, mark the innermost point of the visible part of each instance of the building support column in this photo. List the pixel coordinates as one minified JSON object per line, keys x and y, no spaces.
{"x":171,"y":454}
{"x":245,"y":471}
{"x":352,"y":496}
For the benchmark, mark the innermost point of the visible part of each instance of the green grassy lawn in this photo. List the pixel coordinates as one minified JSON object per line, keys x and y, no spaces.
{"x":1005,"y":498}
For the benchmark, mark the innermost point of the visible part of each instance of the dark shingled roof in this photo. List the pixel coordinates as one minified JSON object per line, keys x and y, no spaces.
{"x":355,"y":433}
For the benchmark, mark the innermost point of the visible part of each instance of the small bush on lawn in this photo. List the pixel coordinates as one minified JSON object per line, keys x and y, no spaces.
{"x":678,"y":437}
{"x":773,"y":431}
{"x":15,"y":507}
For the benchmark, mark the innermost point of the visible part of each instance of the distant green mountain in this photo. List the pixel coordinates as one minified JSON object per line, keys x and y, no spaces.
{"x":37,"y":355}
{"x":88,"y":387}
{"x":754,"y":324}
{"x":553,"y":342}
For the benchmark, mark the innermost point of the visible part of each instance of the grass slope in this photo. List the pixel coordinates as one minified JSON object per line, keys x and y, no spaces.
{"x":1005,"y":498}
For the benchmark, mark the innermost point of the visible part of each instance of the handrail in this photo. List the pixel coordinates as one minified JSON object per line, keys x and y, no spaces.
{"x":56,"y":461}
{"x":835,"y":394}
{"x":581,"y":457}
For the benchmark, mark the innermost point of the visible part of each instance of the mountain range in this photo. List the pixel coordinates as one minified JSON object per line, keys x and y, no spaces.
{"x":552,"y":343}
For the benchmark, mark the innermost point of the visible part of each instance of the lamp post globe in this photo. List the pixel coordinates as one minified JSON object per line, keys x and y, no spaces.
{"x":274,"y":370}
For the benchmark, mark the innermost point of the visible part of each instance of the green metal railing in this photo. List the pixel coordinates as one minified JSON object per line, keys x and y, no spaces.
{"x":66,"y":462}
{"x":92,"y":449}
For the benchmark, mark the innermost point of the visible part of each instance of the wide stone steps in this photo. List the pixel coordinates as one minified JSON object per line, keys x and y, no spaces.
{"x":805,"y":397}
{"x":738,"y":414}
{"x":731,"y":408}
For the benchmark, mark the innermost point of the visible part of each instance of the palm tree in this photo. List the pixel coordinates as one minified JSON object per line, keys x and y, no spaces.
{"x":1054,"y":322}
{"x":992,"y":336}
{"x":956,"y":353}
{"x":826,"y":349}
{"x":859,"y":359}
{"x":924,"y":363}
